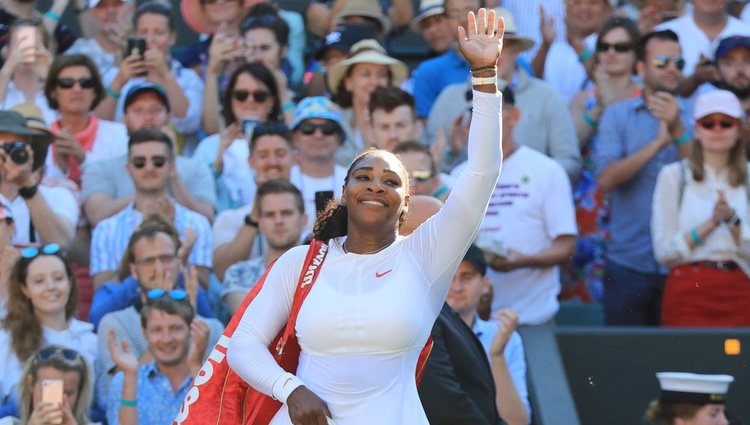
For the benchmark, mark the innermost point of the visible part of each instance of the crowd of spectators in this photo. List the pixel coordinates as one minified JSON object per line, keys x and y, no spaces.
{"x":145,"y":185}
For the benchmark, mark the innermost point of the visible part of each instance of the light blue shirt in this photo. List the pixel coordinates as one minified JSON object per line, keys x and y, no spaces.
{"x":157,"y":404}
{"x":625,"y":128}
{"x":514,"y":356}
{"x":433,"y":75}
{"x":111,"y":236}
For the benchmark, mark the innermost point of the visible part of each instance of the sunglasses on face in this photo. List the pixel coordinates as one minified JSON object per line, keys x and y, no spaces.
{"x":33,"y":251}
{"x":621,"y":47}
{"x":140,"y":161}
{"x":259,"y":96}
{"x":309,"y":128}
{"x":420,"y":176}
{"x":662,"y":61}
{"x":723,"y":123}
{"x":68,"y":83}
{"x":48,"y":353}
{"x":175,"y":294}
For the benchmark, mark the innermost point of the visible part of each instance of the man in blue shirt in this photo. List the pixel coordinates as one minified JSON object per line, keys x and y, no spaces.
{"x":152,"y":393}
{"x":433,"y":75}
{"x":635,"y":138}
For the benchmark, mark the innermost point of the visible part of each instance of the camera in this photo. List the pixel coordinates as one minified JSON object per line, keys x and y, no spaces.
{"x":17,"y":152}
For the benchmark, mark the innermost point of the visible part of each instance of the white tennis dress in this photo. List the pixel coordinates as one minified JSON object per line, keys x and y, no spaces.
{"x":367,"y":317}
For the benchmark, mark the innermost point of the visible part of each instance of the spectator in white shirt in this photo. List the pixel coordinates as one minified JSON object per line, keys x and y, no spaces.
{"x":700,"y":222}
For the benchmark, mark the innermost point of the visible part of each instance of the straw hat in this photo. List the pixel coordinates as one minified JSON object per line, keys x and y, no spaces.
{"x":367,"y":51}
{"x":366,"y":8}
{"x":511,"y":31}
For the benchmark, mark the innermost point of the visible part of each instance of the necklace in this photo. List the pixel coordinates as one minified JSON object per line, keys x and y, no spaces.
{"x":343,"y":246}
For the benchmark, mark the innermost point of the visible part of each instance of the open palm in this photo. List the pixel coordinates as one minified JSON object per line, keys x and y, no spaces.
{"x":482,"y":41}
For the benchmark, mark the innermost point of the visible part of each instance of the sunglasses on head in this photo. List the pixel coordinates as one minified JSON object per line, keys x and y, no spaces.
{"x":723,"y":123}
{"x":48,"y":353}
{"x":32,"y":251}
{"x":259,"y":96}
{"x":175,"y":294}
{"x":662,"y":61}
{"x":621,"y":47}
{"x":309,"y":128}
{"x":68,"y":83}
{"x":140,"y":161}
{"x":420,"y":176}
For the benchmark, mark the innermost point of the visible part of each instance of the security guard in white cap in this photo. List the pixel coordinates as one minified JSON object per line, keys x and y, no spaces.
{"x":690,"y":399}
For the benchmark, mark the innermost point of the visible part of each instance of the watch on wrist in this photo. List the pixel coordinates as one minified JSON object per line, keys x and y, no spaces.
{"x":734,"y":221}
{"x":250,"y":222}
{"x":28,"y":192}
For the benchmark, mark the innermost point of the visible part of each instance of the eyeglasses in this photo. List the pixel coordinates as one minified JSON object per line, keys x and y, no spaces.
{"x":328,"y":129}
{"x":724,"y":123}
{"x":68,"y":83}
{"x":32,"y":251}
{"x":140,"y":161}
{"x":621,"y":47}
{"x":259,"y":96}
{"x":151,"y":261}
{"x":420,"y":176}
{"x":662,"y":61}
{"x":175,"y":294}
{"x":47,"y":353}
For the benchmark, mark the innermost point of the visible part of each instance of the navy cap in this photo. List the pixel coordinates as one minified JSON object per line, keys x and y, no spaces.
{"x":728,"y":44}
{"x":475,"y":256}
{"x":344,"y":36}
{"x":143,"y":87}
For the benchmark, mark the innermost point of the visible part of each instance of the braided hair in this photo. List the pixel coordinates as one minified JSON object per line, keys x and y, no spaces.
{"x":332,"y":222}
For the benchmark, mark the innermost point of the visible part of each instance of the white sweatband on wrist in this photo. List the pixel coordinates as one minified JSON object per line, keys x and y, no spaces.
{"x":284,"y":386}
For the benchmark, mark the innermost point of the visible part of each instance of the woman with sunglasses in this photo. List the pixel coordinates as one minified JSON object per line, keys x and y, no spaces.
{"x":381,"y":292}
{"x":700,"y":220}
{"x":74,"y":89}
{"x":614,"y":75}
{"x":351,"y":82}
{"x":251,"y":97}
{"x":54,"y":362}
{"x":42,"y":299}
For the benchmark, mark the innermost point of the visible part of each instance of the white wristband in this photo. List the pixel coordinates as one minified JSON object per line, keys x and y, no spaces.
{"x":284,"y":386}
{"x":483,"y":81}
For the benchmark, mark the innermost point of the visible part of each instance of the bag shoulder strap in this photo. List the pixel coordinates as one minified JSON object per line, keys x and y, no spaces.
{"x":309,"y":273}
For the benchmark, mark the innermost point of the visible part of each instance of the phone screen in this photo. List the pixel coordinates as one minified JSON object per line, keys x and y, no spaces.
{"x":52,"y":391}
{"x":26,"y":41}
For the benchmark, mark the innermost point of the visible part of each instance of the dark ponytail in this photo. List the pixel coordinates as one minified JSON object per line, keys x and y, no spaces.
{"x":331,"y":222}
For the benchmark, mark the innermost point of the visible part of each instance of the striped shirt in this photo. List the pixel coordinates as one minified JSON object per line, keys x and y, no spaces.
{"x":625,"y":128}
{"x":111,"y":236}
{"x":526,"y":15}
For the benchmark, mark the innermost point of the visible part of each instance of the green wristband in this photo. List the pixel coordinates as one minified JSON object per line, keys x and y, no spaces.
{"x":585,"y":55}
{"x":112,"y":93}
{"x":52,"y":15}
{"x":590,"y":121}
{"x":287,"y":106}
{"x":128,"y":403}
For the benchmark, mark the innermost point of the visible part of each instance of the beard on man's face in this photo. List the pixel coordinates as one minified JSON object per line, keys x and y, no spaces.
{"x":742,"y":92}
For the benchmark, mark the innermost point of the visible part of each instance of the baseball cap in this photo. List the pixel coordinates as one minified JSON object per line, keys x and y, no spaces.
{"x":475,"y":256}
{"x":693,"y":388}
{"x":728,"y":44}
{"x":344,"y":36}
{"x":144,"y":87}
{"x":316,"y":107}
{"x":718,"y":102}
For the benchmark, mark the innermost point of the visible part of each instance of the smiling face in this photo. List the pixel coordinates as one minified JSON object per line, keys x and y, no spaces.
{"x":376,"y":192}
{"x":656,"y":75}
{"x":47,"y":285}
{"x":168,"y":337}
{"x":317,"y":139}
{"x":271,"y":158}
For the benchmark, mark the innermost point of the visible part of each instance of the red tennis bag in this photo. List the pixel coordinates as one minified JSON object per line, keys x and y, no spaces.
{"x":219,"y":396}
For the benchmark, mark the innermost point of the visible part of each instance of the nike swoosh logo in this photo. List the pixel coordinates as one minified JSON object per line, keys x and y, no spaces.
{"x":379,"y":275}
